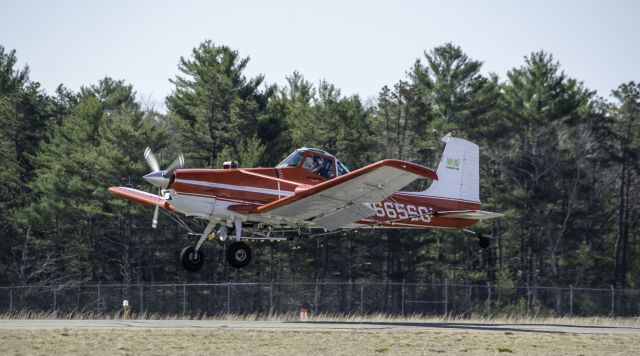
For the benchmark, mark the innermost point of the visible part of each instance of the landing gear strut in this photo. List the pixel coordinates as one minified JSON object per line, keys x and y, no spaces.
{"x":238,"y":252}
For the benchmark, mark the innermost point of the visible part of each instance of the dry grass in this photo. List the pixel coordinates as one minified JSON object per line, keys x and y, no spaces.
{"x":499,"y":318}
{"x":315,"y":342}
{"x":201,"y":342}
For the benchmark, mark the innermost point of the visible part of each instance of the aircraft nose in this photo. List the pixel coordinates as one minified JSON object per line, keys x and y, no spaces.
{"x":157,"y":179}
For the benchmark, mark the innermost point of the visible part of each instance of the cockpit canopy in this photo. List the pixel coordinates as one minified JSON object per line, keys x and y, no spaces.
{"x":317,"y":161}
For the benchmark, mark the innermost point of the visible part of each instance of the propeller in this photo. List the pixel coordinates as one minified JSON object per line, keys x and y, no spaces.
{"x":176,"y":164}
{"x":154,"y":222}
{"x":160,"y":178}
{"x":151,"y":160}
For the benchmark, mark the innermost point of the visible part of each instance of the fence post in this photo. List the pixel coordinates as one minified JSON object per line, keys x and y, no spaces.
{"x":362,"y":298}
{"x":446,"y":297}
{"x":184,"y":299}
{"x":528,"y":299}
{"x":315,"y":300}
{"x":489,"y":297}
{"x":613,"y":301}
{"x":98,"y":301}
{"x":11,"y":298}
{"x":402,"y":308}
{"x":570,"y":300}
{"x":228,"y":298}
{"x":55,"y":297}
{"x":271,"y":298}
{"x":141,"y":297}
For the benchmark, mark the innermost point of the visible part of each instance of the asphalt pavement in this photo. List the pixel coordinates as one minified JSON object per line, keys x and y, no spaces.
{"x":312,"y":325}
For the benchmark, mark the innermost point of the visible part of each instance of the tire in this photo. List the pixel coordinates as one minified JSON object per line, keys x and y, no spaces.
{"x":239,"y":254}
{"x":484,"y":242}
{"x":191,"y":260}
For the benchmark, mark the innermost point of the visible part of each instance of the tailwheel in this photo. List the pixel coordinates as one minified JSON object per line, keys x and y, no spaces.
{"x":483,"y":242}
{"x":191,"y":259}
{"x":239,"y":254}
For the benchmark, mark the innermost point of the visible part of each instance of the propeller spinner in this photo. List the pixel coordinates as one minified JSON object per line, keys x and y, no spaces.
{"x":157,"y":177}
{"x":160,"y":178}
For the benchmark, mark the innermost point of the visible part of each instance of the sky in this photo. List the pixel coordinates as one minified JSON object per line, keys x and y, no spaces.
{"x":359,"y":46}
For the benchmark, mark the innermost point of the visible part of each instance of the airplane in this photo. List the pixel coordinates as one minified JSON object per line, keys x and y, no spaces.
{"x":311,"y":193}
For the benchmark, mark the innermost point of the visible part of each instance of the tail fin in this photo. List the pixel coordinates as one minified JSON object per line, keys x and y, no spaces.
{"x":458,"y":171}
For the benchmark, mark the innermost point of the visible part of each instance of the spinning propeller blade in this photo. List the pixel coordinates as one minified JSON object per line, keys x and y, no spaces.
{"x":176,"y":164}
{"x":154,"y":222}
{"x":151,"y":160}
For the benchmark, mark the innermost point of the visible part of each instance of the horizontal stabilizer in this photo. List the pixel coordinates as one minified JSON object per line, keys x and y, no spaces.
{"x":469,"y":214}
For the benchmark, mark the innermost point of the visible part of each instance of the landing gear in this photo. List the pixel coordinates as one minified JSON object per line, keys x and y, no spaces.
{"x":191,"y":259}
{"x":483,"y":242}
{"x":238,"y":254}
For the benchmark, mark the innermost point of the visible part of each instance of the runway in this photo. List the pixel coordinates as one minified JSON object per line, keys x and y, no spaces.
{"x":311,"y":325}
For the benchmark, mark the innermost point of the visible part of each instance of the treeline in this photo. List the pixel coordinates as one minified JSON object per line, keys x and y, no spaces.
{"x":561,"y":162}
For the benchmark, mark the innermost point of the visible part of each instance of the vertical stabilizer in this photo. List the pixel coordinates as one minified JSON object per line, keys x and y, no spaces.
{"x":458,"y":171}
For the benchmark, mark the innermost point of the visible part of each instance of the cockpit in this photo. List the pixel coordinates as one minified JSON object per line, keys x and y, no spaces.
{"x":317,"y":161}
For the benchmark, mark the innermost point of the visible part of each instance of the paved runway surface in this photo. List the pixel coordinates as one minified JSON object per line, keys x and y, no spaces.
{"x":318,"y":326}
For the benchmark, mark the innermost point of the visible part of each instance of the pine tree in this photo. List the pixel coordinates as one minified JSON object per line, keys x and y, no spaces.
{"x":625,"y":130}
{"x":215,"y":107}
{"x":25,"y":118}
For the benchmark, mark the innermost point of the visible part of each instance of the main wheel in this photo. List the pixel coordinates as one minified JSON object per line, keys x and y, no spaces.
{"x":483,"y":242}
{"x":239,"y":254}
{"x":191,"y":259}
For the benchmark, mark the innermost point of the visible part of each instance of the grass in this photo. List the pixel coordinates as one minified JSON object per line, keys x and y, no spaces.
{"x":497,"y":319}
{"x":200,"y":342}
{"x":315,"y":342}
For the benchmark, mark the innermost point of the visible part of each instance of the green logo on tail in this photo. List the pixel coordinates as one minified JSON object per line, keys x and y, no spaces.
{"x":453,"y":163}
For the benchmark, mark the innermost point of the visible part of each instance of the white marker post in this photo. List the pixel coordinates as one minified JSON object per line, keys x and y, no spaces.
{"x":125,"y":309}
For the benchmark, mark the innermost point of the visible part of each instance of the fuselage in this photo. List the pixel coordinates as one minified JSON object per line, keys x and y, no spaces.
{"x":211,"y":192}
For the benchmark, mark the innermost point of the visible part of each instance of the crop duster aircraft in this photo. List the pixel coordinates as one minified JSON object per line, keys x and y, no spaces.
{"x":312,"y":193}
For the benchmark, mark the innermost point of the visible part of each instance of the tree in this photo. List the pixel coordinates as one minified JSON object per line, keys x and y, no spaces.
{"x":445,"y":93}
{"x":78,"y":224}
{"x":215,"y":107}
{"x":544,"y":161}
{"x":24,"y":122}
{"x":625,"y":131}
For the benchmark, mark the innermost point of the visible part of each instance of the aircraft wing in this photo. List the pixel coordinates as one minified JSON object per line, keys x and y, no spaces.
{"x":141,"y":197}
{"x":469,"y":214}
{"x":343,"y":200}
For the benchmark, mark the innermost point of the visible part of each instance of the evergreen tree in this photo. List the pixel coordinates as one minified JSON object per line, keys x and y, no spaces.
{"x":543,"y":163}
{"x":625,"y":142}
{"x":215,"y":107}
{"x":25,"y":118}
{"x":84,"y":230}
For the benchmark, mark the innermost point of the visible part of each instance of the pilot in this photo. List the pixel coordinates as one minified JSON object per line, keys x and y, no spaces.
{"x":317,"y":166}
{"x":323,"y":168}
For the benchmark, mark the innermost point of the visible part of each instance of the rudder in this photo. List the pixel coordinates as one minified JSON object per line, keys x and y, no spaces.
{"x":458,"y":171}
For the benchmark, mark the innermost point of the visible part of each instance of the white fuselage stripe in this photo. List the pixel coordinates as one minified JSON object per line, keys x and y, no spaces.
{"x":217,"y":198}
{"x":243,"y":188}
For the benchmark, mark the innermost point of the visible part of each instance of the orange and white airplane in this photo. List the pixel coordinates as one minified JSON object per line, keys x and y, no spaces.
{"x":312,"y":193}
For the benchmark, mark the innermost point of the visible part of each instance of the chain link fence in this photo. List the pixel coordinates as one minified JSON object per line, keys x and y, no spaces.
{"x":322,"y":297}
